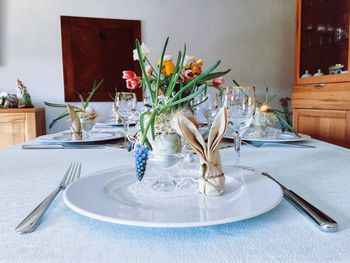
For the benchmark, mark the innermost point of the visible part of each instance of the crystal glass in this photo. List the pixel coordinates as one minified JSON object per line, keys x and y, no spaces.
{"x":163,"y":167}
{"x":87,"y":125}
{"x":208,"y":104}
{"x":125,"y":107}
{"x":240,"y":102}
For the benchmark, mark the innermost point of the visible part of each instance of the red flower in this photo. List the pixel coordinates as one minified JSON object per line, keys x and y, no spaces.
{"x":218,"y":81}
{"x":127,"y":74}
{"x":132,"y":83}
{"x":188,"y":74}
{"x":181,"y":79}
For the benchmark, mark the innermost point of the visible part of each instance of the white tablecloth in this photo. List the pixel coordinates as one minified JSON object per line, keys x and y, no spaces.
{"x":320,"y":175}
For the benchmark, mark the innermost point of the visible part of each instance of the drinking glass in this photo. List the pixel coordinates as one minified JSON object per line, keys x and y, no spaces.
{"x":208,"y":104}
{"x":87,"y":125}
{"x":125,"y":106}
{"x":240,"y":102}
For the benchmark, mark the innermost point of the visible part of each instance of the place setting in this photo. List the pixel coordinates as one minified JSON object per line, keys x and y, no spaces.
{"x":178,"y":179}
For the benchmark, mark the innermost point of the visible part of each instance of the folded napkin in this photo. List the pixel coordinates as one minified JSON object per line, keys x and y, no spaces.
{"x":211,"y":176}
{"x":75,"y":125}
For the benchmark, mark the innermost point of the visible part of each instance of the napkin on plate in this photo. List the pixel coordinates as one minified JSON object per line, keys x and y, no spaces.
{"x":75,"y":125}
{"x":211,"y":176}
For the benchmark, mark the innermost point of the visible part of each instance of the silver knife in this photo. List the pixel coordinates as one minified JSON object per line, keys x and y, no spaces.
{"x":59,"y":146}
{"x":322,"y":220}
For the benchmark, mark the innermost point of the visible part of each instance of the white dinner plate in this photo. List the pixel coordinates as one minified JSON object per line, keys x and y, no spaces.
{"x":277,"y":137}
{"x":65,"y":137}
{"x":108,"y":196}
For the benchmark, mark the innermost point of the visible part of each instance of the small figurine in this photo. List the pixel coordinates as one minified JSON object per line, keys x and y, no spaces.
{"x":8,"y":100}
{"x":306,"y":74}
{"x":318,"y":73}
{"x":24,"y":100}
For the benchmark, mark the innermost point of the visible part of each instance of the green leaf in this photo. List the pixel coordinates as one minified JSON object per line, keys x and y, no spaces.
{"x":268,"y":102}
{"x":160,"y":68}
{"x":172,"y":104}
{"x":150,"y":121}
{"x":285,"y":123}
{"x":175,"y":76}
{"x":91,"y":93}
{"x":56,"y":105}
{"x":59,"y":117}
{"x":215,"y":75}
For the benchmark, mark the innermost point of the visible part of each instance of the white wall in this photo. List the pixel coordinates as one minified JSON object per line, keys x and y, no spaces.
{"x":253,"y":37}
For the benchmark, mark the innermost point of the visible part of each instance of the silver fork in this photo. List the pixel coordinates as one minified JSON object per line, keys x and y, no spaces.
{"x":30,"y":223}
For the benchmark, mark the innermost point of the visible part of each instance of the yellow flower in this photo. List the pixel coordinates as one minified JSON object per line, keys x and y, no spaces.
{"x":196,"y":69}
{"x":199,"y":62}
{"x":168,"y":67}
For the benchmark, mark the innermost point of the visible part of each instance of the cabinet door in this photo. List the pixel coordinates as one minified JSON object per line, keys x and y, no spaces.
{"x":327,"y":125}
{"x":322,"y":41}
{"x":12,"y":129}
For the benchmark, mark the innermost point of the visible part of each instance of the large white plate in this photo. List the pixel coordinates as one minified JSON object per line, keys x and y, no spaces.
{"x":65,"y":137}
{"x":106,"y":196}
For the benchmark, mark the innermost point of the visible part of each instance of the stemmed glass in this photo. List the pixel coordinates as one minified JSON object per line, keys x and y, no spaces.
{"x":125,"y":106}
{"x":240,"y":102}
{"x":208,"y":104}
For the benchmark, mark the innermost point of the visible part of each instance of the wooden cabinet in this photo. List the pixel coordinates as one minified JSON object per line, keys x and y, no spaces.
{"x":21,"y":125}
{"x":321,"y":104}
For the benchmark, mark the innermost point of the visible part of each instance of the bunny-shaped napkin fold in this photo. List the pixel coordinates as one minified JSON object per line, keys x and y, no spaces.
{"x":211,"y":176}
{"x":75,"y":125}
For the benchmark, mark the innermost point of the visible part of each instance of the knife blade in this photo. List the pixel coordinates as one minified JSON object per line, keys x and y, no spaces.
{"x":323,"y":221}
{"x":59,"y":146}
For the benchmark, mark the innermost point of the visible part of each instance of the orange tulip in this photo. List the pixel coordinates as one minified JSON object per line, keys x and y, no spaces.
{"x":196,"y":69}
{"x":168,"y":67}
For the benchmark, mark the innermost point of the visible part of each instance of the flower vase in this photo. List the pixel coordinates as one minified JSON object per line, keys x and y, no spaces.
{"x":165,"y":155}
{"x":264,"y":121}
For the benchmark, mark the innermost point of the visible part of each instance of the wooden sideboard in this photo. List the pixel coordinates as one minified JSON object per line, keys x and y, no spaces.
{"x":21,"y":125}
{"x":323,"y":112}
{"x":321,"y":104}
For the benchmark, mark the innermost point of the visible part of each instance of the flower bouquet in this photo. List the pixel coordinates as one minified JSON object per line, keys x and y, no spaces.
{"x":171,"y":87}
{"x":267,"y":117}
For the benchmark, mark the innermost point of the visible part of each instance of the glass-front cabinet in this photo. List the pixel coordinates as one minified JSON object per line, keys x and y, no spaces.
{"x":322,"y":46}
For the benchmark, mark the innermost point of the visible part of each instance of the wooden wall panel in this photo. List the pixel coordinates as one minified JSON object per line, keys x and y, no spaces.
{"x":94,"y":49}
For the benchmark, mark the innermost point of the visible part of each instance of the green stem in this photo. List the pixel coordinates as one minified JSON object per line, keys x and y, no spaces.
{"x":150,"y":121}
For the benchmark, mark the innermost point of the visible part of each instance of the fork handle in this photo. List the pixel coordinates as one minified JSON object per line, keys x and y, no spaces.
{"x":31,"y":222}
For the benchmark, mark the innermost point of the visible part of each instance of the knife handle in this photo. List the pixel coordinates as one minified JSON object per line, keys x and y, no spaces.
{"x":326,"y":223}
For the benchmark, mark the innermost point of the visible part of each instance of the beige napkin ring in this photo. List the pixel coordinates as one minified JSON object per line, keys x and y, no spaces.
{"x":212,"y":179}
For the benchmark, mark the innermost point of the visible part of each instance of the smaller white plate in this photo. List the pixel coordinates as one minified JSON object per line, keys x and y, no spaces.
{"x":65,"y":137}
{"x":277,"y":137}
{"x":112,"y":124}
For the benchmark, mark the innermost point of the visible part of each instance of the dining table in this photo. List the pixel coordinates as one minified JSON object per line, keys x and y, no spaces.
{"x":321,"y":175}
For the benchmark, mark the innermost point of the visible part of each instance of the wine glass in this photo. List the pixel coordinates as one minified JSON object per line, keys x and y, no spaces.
{"x":240,"y":102}
{"x":125,"y":107}
{"x":207,"y":104}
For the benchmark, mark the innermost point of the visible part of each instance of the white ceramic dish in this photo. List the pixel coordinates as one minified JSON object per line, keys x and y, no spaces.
{"x":112,"y":124}
{"x":65,"y":137}
{"x":278,"y":137}
{"x":106,"y":196}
